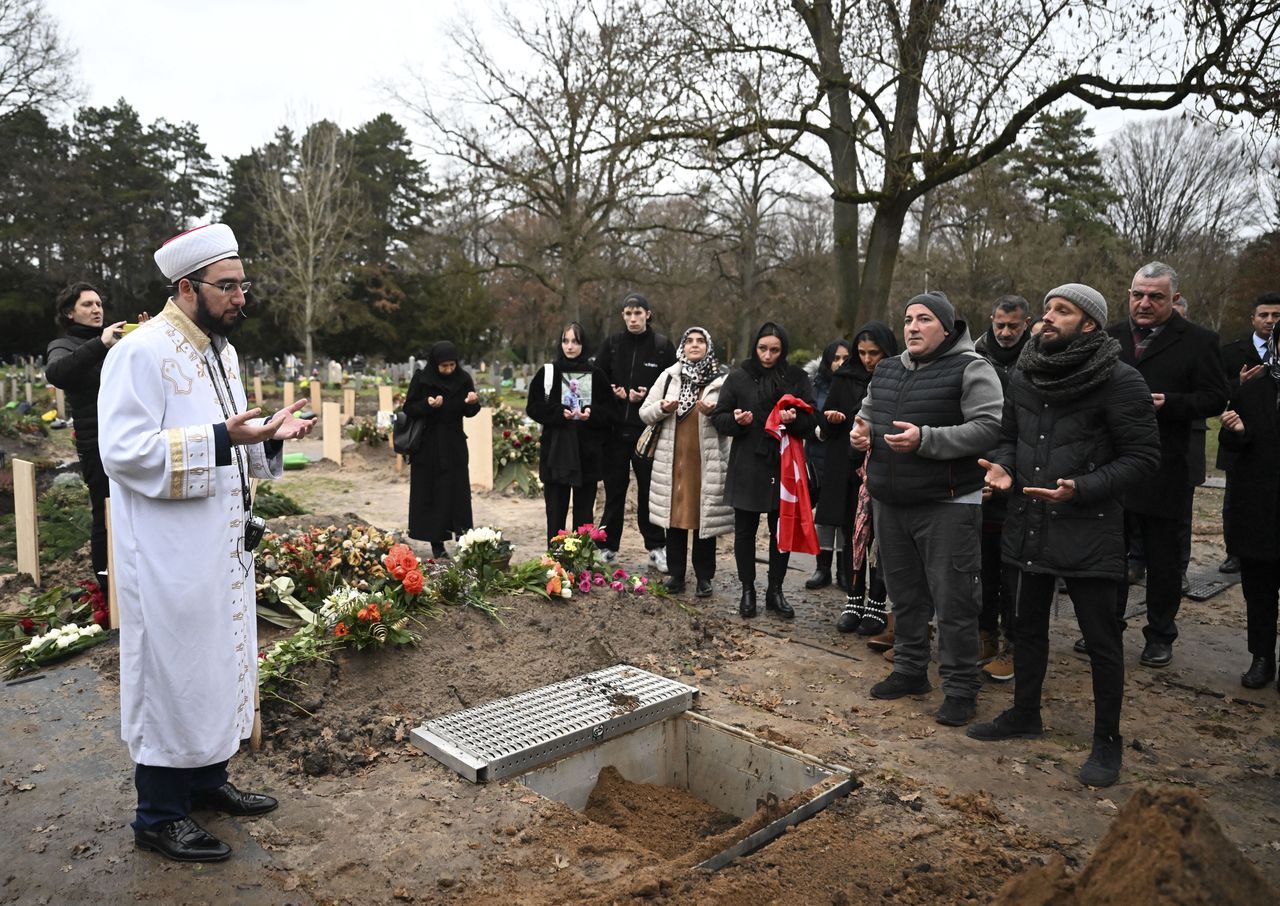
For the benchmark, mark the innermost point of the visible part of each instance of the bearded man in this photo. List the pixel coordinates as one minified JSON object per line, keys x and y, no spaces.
{"x":1078,"y":428}
{"x":180,"y":447}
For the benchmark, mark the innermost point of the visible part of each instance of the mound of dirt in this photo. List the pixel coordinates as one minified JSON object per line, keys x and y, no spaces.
{"x":662,"y":819}
{"x":1163,"y":848}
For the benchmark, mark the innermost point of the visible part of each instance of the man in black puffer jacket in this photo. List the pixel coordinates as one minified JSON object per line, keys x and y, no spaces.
{"x":1079,"y":429}
{"x":927,"y":417}
{"x":74,"y":363}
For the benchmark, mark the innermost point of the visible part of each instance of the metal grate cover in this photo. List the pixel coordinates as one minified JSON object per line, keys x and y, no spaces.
{"x":512,"y":735}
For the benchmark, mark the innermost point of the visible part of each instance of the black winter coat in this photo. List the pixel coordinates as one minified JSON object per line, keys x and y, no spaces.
{"x":754,"y":459}
{"x":632,"y":361}
{"x":570,"y":452}
{"x":1253,"y":495}
{"x":1237,"y":354}
{"x":439,"y":478}
{"x":840,"y":480}
{"x":74,"y":366}
{"x":1105,"y":441}
{"x":1183,"y":363}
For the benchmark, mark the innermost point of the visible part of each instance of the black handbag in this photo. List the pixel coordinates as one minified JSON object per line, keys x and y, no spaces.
{"x":406,"y":434}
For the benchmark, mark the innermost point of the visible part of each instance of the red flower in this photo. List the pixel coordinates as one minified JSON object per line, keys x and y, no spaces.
{"x":413,"y":582}
{"x":28,"y":625}
{"x":506,"y":434}
{"x":102,"y":618}
{"x":528,"y":437}
{"x":340,"y":630}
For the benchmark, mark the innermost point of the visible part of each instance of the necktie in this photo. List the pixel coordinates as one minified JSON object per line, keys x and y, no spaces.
{"x":1140,"y":337}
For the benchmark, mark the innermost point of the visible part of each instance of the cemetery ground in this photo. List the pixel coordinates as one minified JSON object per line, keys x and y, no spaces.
{"x":367,"y":818}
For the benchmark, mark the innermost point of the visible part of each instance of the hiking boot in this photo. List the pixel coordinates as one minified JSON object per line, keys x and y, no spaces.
{"x":777,"y":602}
{"x":884,"y":640}
{"x":988,"y":645}
{"x":747,"y":604}
{"x":1006,"y":725}
{"x":896,"y":685}
{"x":956,"y":711}
{"x":1103,"y":766}
{"x":1000,"y":668}
{"x":851,"y":616}
{"x":821,"y":578}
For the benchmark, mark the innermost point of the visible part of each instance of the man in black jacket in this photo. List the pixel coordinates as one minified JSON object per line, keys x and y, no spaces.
{"x":631,"y":360}
{"x":1180,"y":363}
{"x":1242,"y":359}
{"x":1078,"y":429}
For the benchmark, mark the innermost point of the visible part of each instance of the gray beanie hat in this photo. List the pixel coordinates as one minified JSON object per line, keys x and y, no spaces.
{"x":940,"y":305}
{"x":1086,"y":298}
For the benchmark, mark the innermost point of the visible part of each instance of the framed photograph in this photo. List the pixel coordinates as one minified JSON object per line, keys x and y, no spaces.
{"x":575,"y":390}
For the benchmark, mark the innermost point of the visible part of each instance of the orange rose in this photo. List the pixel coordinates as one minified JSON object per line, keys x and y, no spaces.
{"x":553,"y":586}
{"x":340,"y":630}
{"x":413,"y":582}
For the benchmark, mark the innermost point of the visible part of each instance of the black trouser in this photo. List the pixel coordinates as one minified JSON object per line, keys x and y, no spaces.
{"x":704,"y":554}
{"x":1138,"y":551}
{"x":557,"y":500}
{"x":1164,"y":577}
{"x":619,"y":460}
{"x":998,"y":583}
{"x":1260,"y":581}
{"x":99,"y":488}
{"x":164,"y":794}
{"x":1094,"y":601}
{"x":745,"y":526}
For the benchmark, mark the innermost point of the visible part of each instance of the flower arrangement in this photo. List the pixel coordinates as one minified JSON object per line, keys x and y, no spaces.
{"x":50,"y":612}
{"x":318,"y":560}
{"x":515,"y":451}
{"x":364,"y":430}
{"x":484,"y":552}
{"x":559,"y":580}
{"x":57,"y":643}
{"x":361,"y":619}
{"x":576,"y":551}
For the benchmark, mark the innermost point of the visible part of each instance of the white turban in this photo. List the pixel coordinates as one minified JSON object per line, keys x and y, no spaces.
{"x":187,"y":252}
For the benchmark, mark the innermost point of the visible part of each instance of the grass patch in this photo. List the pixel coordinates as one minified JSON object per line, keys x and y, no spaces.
{"x":65,"y":519}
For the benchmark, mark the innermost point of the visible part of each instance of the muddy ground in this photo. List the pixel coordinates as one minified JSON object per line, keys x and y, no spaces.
{"x":365,"y":818}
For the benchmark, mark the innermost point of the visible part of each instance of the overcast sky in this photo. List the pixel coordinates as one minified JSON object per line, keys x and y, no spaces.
{"x":240,"y":69}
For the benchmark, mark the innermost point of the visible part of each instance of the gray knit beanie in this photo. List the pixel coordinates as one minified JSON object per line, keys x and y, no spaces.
{"x":940,"y":305}
{"x":1088,"y":299}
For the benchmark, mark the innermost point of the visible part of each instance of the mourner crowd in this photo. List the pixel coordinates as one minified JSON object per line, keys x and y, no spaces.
{"x":948,"y":485}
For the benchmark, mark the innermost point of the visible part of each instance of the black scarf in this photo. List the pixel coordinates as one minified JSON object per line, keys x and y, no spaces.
{"x":1067,"y":374}
{"x":1005,"y":357}
{"x":447,"y":384}
{"x":84,"y":331}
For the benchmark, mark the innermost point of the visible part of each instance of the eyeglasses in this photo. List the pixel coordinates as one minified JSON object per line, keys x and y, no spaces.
{"x":227,"y":287}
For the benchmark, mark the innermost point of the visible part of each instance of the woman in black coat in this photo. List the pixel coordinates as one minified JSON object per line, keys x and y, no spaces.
{"x":748,"y":396}
{"x":441,"y":394}
{"x":1251,"y":432}
{"x":570,"y":399}
{"x":864,"y":610}
{"x":74,"y":365}
{"x":815,"y":453}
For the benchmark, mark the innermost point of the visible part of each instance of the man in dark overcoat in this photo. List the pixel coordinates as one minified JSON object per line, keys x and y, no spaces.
{"x":1181,"y":365}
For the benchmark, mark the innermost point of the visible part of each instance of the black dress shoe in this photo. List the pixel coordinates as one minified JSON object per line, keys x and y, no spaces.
{"x":183,"y":841}
{"x":747,"y":604}
{"x":674,"y":585}
{"x":704,"y":589}
{"x":230,"y":801}
{"x":774,"y":600}
{"x":821,"y":578}
{"x":1260,"y":672}
{"x":1230,"y":565}
{"x":1156,"y":654}
{"x":1080,"y":647}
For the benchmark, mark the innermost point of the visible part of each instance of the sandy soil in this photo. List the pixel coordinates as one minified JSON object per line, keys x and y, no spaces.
{"x":365,"y":818}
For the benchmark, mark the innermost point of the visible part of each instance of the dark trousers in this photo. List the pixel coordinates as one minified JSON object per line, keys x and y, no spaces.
{"x":1094,"y":601}
{"x":704,"y":554}
{"x":1164,"y":577}
{"x":1138,"y":550}
{"x":99,"y":487}
{"x":998,"y":585}
{"x":745,"y":526}
{"x":619,"y":460}
{"x":557,"y":499}
{"x":1260,"y":581}
{"x":164,"y":794}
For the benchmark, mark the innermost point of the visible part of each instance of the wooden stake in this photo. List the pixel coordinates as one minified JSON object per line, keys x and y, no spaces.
{"x":60,"y":401}
{"x":113,"y":607}
{"x":480,"y":449}
{"x":331,"y":431}
{"x":386,"y":398}
{"x":348,"y":405}
{"x":257,"y":390}
{"x":288,"y":394}
{"x":24,"y":509}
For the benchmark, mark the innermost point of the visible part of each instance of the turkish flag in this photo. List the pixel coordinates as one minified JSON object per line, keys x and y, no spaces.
{"x":795,"y":516}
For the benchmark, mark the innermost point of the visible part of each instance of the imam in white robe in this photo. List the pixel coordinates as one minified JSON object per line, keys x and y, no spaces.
{"x":184,"y":584}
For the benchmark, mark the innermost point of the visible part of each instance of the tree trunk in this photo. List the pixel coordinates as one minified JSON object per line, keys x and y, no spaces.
{"x":882,"y":258}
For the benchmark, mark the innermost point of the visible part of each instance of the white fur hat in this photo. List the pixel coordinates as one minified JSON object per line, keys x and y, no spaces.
{"x":187,"y":252}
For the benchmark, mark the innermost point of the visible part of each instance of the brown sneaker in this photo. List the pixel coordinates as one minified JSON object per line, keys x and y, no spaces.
{"x":1000,"y":668}
{"x":988,"y":645}
{"x":883,"y":641}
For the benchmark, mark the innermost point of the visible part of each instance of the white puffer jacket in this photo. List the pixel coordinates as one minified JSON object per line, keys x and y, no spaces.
{"x":715,"y":516}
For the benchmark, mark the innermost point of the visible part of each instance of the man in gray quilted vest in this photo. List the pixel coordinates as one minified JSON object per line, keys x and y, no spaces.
{"x":927,"y":417}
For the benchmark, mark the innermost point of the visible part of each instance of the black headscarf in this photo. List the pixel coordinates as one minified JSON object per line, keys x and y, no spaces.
{"x":442,"y":352}
{"x":823,"y":377}
{"x":877,"y":332}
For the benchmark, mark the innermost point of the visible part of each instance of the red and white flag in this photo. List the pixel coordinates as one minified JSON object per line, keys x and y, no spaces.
{"x":796,"y":531}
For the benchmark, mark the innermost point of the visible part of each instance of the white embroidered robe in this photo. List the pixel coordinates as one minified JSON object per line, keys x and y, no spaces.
{"x":184,"y":584}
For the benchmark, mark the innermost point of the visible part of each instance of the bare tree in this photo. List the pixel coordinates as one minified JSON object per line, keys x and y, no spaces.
{"x":884,"y":100}
{"x":308,"y":211}
{"x":35,"y":62}
{"x":560,"y":142}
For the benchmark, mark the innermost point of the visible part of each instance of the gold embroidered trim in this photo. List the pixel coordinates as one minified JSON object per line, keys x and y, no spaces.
{"x":177,"y":463}
{"x":185,"y":326}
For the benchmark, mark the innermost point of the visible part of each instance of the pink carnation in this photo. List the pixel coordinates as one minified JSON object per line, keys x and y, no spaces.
{"x":616,"y":585}
{"x":619,"y":573}
{"x":584,"y":586}
{"x":640,"y":589}
{"x":598,"y":579}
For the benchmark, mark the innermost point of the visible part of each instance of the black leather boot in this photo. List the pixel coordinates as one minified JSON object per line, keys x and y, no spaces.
{"x":1260,"y":672}
{"x":774,"y":600}
{"x":844,"y":567}
{"x":821,"y":577}
{"x":747,"y":604}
